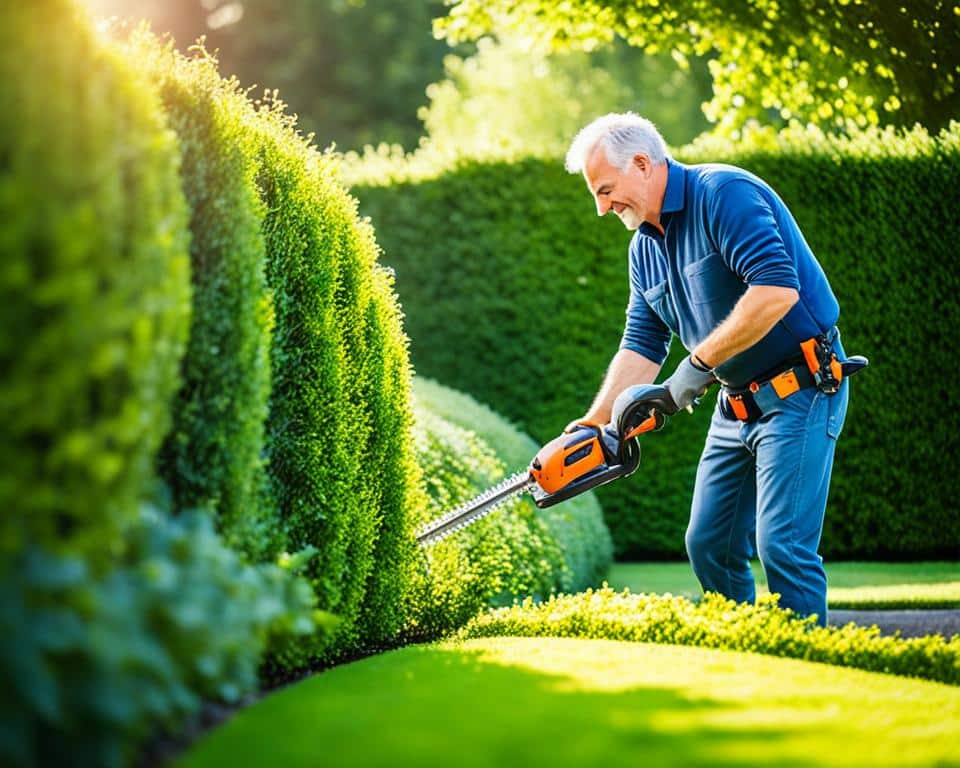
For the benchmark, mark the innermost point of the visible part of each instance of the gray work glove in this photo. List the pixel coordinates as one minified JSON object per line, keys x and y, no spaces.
{"x":688,"y":383}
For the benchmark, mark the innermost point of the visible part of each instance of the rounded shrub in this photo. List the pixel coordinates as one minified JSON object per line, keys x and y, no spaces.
{"x":576,"y":525}
{"x":94,"y":282}
{"x":514,"y":552}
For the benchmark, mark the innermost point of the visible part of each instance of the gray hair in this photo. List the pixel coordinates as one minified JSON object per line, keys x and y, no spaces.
{"x":622,"y":136}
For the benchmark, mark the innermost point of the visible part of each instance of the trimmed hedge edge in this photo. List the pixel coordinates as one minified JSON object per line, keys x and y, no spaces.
{"x":717,"y":622}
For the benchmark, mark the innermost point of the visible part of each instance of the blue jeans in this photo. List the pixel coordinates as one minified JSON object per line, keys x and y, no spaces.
{"x":765,"y":485}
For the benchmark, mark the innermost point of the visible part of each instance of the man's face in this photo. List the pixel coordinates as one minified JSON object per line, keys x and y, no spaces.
{"x":626,"y":193}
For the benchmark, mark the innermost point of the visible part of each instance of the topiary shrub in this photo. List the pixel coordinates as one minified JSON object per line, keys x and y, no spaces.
{"x":576,"y":525}
{"x":514,"y":552}
{"x":506,"y":555}
{"x":94,"y":282}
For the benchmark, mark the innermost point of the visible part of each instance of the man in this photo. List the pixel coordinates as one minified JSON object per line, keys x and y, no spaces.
{"x":717,"y":259}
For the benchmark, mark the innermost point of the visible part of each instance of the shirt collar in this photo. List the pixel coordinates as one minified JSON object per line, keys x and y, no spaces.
{"x":673,"y":196}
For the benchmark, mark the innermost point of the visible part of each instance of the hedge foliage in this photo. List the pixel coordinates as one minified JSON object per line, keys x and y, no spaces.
{"x":94,"y":282}
{"x":716,"y":622}
{"x":514,"y":292}
{"x":283,"y":265}
{"x":515,"y":551}
{"x":338,"y":444}
{"x":115,"y":621}
{"x":212,"y":457}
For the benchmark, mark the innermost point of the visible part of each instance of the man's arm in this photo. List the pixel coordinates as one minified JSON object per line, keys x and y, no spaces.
{"x":626,"y":369}
{"x":755,"y":314}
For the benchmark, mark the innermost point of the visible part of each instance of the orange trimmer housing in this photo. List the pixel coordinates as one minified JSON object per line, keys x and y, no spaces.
{"x":567,"y":458}
{"x":590,"y":455}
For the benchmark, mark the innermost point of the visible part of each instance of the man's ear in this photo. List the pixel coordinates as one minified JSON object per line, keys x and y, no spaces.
{"x":642,"y":163}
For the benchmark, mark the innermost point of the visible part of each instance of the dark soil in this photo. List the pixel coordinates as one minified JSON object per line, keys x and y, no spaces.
{"x":912,"y":623}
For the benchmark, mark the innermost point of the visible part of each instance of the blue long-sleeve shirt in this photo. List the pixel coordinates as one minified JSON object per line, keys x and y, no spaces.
{"x":724,"y":230}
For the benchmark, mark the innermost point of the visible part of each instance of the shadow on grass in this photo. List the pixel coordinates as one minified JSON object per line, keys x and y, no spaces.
{"x":461,"y":707}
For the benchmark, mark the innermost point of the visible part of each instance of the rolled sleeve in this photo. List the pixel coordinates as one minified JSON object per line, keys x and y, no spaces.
{"x":745,"y":230}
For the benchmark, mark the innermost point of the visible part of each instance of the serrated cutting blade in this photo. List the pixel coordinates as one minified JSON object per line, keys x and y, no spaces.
{"x":474,"y":509}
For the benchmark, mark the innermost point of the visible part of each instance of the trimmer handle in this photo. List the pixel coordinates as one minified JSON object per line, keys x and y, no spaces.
{"x":641,"y":408}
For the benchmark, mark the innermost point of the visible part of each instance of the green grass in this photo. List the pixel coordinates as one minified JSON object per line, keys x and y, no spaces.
{"x":851,"y":584}
{"x":563,"y":702}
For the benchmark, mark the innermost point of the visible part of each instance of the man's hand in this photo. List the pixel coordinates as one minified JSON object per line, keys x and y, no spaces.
{"x":688,"y":382}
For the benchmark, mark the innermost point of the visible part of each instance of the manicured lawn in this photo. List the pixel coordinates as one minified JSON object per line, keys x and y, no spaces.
{"x":852,"y":584}
{"x":563,"y":702}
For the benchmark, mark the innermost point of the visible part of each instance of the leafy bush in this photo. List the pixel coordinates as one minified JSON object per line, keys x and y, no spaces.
{"x":94,"y":664}
{"x":576,"y":525}
{"x":212,"y":457}
{"x":94,"y":282}
{"x":716,"y":622}
{"x":516,"y":551}
{"x":514,"y":292}
{"x":505,"y":555}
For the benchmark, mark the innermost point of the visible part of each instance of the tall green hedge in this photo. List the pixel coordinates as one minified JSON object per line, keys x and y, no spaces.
{"x":115,"y":621}
{"x":514,"y":292}
{"x":338,"y":440}
{"x":212,"y":457}
{"x":94,"y":282}
{"x":297,"y":363}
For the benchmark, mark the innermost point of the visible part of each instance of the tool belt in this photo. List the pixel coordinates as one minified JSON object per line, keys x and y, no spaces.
{"x":816,"y":366}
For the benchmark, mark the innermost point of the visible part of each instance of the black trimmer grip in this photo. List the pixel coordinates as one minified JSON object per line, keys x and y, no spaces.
{"x":640,"y":408}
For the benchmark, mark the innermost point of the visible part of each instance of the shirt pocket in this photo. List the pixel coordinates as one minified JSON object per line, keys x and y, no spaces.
{"x":658,"y":297}
{"x":709,"y":280}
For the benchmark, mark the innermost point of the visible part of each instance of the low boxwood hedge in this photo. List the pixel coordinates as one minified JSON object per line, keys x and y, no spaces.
{"x":716,"y":622}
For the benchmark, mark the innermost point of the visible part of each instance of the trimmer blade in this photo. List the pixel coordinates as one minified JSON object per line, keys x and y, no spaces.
{"x":474,"y":509}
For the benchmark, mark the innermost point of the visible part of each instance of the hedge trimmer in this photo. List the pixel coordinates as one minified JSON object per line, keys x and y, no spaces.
{"x":585,"y":457}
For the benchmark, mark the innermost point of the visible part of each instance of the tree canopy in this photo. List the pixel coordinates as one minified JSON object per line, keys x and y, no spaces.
{"x":835,"y":63}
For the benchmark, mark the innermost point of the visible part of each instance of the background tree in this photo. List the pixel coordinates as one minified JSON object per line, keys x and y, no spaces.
{"x":362,"y":72}
{"x":509,"y":97}
{"x":355,"y":71}
{"x":836,"y":63}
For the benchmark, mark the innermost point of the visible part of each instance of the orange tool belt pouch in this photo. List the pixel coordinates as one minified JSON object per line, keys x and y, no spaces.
{"x":816,"y":367}
{"x":747,"y":404}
